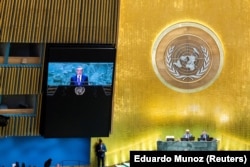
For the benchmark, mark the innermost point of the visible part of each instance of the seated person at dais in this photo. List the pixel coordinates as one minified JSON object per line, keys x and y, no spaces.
{"x":187,"y":136}
{"x":204,"y":136}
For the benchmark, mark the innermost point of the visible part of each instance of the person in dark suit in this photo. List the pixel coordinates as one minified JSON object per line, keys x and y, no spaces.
{"x":100,"y":150}
{"x":204,"y":136}
{"x":187,"y":134}
{"x":79,"y":79}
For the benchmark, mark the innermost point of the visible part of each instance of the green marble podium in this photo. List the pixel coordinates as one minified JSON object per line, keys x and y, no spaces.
{"x":187,"y":145}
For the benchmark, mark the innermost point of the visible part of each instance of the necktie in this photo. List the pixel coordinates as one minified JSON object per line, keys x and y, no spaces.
{"x":78,"y":80}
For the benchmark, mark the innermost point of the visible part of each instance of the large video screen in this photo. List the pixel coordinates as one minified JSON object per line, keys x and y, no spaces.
{"x":77,"y":90}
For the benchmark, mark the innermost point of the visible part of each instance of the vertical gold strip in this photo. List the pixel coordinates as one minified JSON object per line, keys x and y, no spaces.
{"x":22,"y":27}
{"x":15,"y":127}
{"x":1,"y":14}
{"x":91,"y":30}
{"x":12,"y":126}
{"x":40,"y":24}
{"x":86,"y":18}
{"x":7,"y":129}
{"x":1,"y":79}
{"x":21,"y":80}
{"x":25,"y":126}
{"x":30,"y":80}
{"x":28,"y":126}
{"x":34,"y":81}
{"x":93,"y":22}
{"x":6,"y":22}
{"x":47,"y":20}
{"x":17,"y":80}
{"x":99,"y":16}
{"x":34,"y":33}
{"x":27,"y":80}
{"x":30,"y":21}
{"x":20,"y":131}
{"x":65,"y":21}
{"x":52,"y":20}
{"x":20,"y":126}
{"x":60,"y":26}
{"x":72,"y":18}
{"x":74,"y":31}
{"x":60,"y":21}
{"x":55,"y":20}
{"x":38,"y":80}
{"x":107,"y":12}
{"x":105,"y":22}
{"x":6,"y":81}
{"x":81,"y":21}
{"x":19,"y":19}
{"x":32,"y":126}
{"x":13,"y":80}
{"x":5,"y":11}
{"x":11,"y":26}
{"x":117,"y":13}
{"x":102,"y":20}
{"x":11,"y":75}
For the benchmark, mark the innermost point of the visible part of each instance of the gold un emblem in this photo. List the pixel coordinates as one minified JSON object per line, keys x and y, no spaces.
{"x":187,"y":57}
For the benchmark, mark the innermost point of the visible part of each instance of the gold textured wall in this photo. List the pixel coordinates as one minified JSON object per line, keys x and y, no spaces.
{"x":146,"y":110}
{"x":72,"y":21}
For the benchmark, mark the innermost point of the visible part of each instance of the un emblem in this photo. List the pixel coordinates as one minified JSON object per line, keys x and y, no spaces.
{"x":187,"y":57}
{"x":79,"y":90}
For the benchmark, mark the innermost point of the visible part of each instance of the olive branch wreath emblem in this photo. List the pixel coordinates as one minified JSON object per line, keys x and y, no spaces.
{"x":175,"y":73}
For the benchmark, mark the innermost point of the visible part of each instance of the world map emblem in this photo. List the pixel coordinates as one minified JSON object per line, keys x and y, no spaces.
{"x":187,"y":57}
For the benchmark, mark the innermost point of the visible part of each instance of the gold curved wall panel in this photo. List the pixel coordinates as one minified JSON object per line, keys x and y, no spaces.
{"x":20,"y":80}
{"x":145,"y":110}
{"x":64,"y":21}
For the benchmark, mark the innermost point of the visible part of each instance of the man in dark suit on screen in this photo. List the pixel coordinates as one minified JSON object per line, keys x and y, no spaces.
{"x":79,"y":79}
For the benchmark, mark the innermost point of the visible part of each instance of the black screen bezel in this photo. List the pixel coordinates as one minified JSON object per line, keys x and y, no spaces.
{"x":88,"y":123}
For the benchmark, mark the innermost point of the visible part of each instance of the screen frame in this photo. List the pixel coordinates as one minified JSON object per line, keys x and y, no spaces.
{"x":74,"y":53}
